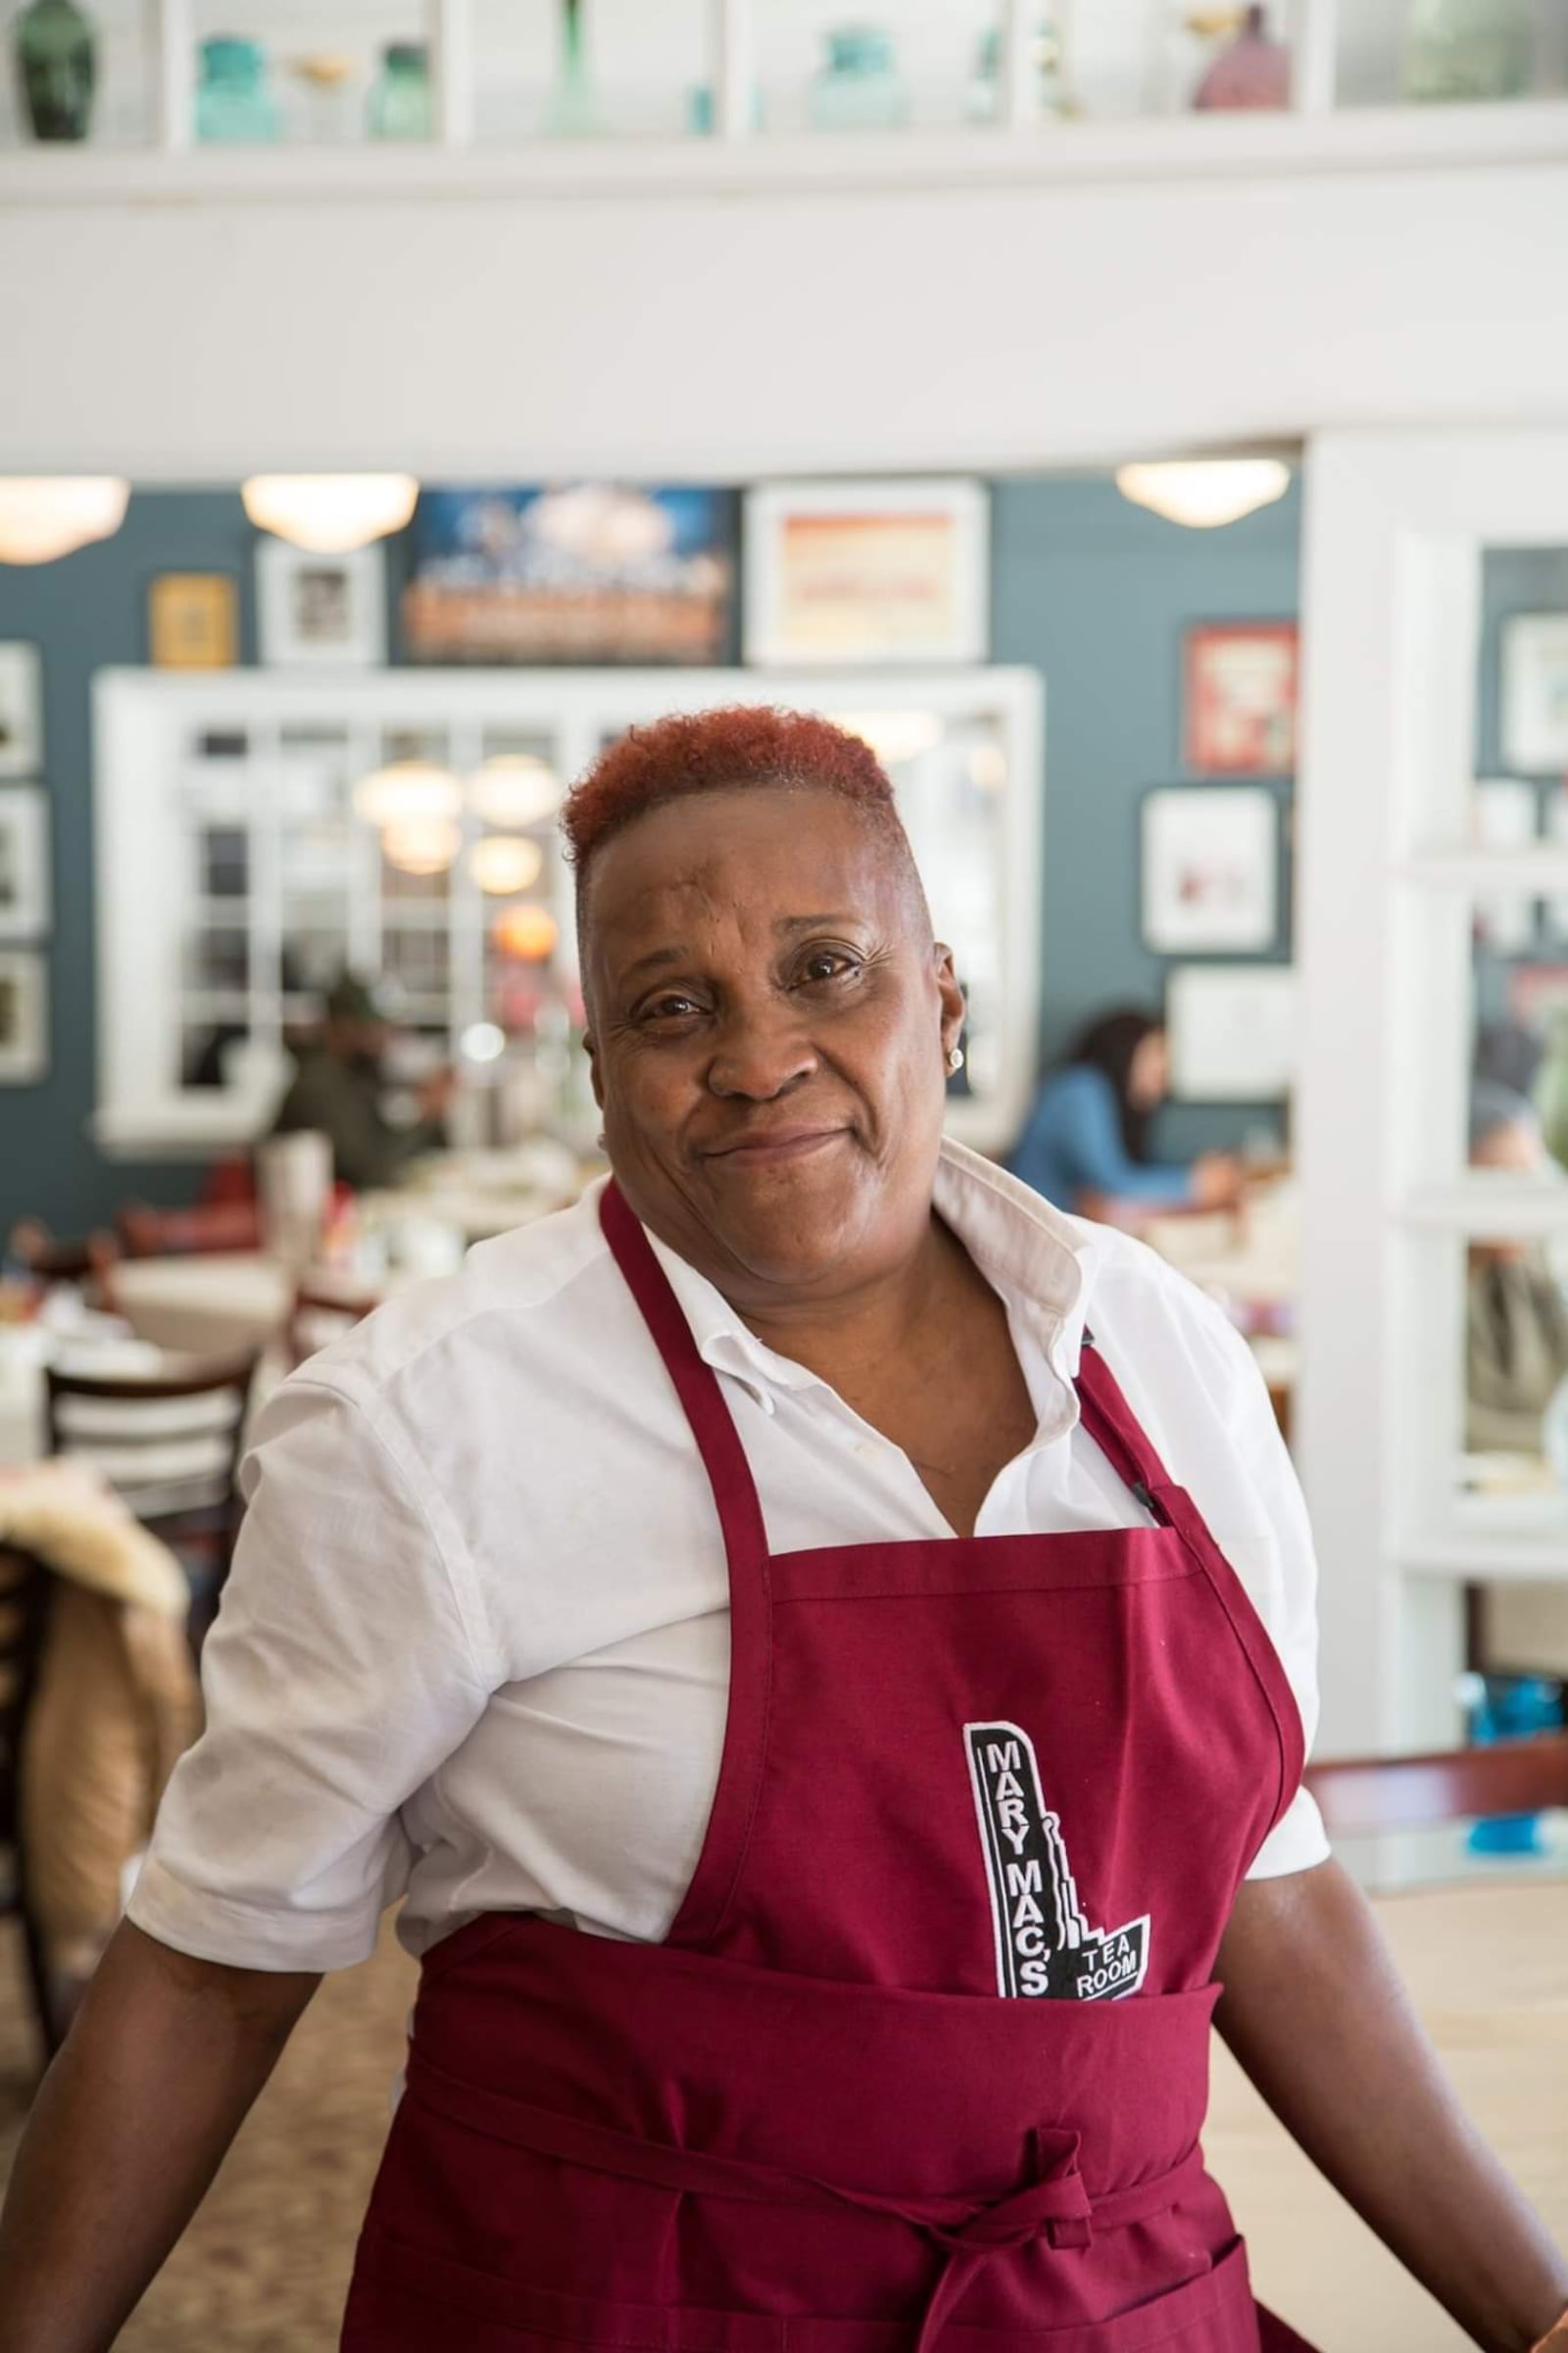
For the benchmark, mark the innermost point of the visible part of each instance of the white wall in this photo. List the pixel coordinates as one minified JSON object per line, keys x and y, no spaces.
{"x":680,"y":329}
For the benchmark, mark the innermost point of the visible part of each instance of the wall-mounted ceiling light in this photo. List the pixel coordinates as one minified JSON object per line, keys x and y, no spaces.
{"x":46,"y":516}
{"x":514,"y":789}
{"x":329,"y":513}
{"x":505,"y":863}
{"x":408,"y":792}
{"x":1203,"y":493}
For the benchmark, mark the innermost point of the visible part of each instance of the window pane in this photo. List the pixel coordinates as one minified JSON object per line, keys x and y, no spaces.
{"x":267,"y":73}
{"x":563,"y":69}
{"x":912,"y":64}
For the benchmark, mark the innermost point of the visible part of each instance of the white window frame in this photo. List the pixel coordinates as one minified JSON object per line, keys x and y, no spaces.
{"x":1395,"y":530}
{"x":141,"y":718}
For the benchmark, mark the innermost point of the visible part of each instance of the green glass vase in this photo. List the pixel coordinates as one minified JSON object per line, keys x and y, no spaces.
{"x":57,"y":65}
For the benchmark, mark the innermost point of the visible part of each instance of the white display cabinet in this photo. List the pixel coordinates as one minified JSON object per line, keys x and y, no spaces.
{"x":1395,"y":885}
{"x":236,"y":876}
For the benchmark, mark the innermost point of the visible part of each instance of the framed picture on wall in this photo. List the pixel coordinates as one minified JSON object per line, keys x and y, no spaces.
{"x":20,"y":711}
{"x":1232,"y":1032}
{"x":1210,"y":857}
{"x":24,"y":862}
{"x":883,"y":571}
{"x":1535,"y":692}
{"x":321,"y":611}
{"x":579,"y":573}
{"x":194,"y":621}
{"x":23,"y":1018}
{"x":1238,"y":699}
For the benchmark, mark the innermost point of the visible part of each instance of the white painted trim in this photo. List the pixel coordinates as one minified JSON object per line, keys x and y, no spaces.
{"x":1314,"y":46}
{"x":1208,"y":146}
{"x":455,"y":65}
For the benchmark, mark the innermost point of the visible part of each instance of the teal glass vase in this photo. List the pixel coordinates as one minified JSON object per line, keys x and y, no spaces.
{"x":234,"y":104}
{"x":57,"y":65}
{"x":859,"y":87}
{"x":399,"y":106}
{"x":574,"y":109}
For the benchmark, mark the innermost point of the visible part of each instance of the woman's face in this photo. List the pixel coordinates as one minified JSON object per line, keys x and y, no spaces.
{"x":1149,"y":1072}
{"x":769,"y":1026}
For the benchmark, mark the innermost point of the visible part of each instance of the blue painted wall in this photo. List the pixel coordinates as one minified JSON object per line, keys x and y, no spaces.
{"x":1092,"y":591}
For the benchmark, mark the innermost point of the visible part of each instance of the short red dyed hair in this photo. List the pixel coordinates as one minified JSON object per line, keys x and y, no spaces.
{"x":721,"y":751}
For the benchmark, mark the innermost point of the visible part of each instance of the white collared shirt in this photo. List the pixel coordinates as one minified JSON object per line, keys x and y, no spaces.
{"x":474,"y":1648}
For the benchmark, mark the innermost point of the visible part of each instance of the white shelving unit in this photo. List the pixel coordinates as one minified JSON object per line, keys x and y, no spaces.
{"x":1387,"y":882}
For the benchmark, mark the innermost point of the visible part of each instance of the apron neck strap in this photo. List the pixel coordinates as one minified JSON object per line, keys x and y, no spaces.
{"x":735,"y":1496}
{"x":1110,"y":1422}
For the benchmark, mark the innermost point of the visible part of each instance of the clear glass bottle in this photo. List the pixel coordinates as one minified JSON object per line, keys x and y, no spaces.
{"x":234,"y":103}
{"x":983,"y":101}
{"x":399,"y":106}
{"x":1456,"y":51}
{"x":56,"y":66}
{"x":859,"y":87}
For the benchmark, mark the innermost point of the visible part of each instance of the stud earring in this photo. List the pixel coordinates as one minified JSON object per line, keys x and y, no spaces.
{"x":955,"y":1059}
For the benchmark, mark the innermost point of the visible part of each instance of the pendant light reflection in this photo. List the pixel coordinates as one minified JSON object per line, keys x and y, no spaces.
{"x":893,"y":735}
{"x":526,"y":933}
{"x":1207,"y":491}
{"x":408,"y":792}
{"x":331,"y":514}
{"x":515,"y":791}
{"x":421,"y":845}
{"x":44,"y":517}
{"x":505,"y":863}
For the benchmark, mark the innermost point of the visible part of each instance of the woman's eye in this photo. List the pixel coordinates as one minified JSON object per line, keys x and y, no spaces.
{"x":827,"y":963}
{"x":670,"y":1009}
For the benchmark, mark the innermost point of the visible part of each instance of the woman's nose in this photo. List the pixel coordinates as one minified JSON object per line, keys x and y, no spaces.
{"x":761,"y":1056}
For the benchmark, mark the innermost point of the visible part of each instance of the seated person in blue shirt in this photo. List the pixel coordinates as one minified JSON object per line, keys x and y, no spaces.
{"x":1085,"y":1147}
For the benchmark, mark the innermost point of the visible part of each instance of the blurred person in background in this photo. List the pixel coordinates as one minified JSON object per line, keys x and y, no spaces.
{"x":340,"y":1087}
{"x":1086,"y":1145}
{"x":1516,"y":1320}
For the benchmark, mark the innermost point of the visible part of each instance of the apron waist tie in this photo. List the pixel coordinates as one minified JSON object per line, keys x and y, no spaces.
{"x":1055,"y":2203}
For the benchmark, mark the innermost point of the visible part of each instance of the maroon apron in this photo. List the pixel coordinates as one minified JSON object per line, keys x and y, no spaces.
{"x":926,"y":2051}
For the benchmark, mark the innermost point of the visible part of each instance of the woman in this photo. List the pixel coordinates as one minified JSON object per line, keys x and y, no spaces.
{"x":1086,"y":1147}
{"x":825,"y":1754}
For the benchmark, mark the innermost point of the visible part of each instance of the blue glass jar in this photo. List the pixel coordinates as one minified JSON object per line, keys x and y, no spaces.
{"x":399,"y":106}
{"x":234,"y":103}
{"x":1511,"y":1707}
{"x":859,"y":87}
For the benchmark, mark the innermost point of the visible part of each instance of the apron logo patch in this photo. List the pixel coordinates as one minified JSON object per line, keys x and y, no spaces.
{"x":1046,"y":1948}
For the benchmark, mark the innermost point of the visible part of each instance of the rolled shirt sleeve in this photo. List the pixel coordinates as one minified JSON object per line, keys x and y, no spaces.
{"x":349,"y":1659}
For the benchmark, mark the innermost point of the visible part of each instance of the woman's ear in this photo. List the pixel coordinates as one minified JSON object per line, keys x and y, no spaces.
{"x":954,"y":1011}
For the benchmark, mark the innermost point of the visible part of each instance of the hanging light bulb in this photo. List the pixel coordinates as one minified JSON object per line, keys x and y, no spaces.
{"x":408,"y":792}
{"x":329,"y":513}
{"x":514,"y":789}
{"x":46,"y":516}
{"x":1205,"y":492}
{"x":421,"y":845}
{"x":528,"y":933}
{"x":505,"y":863}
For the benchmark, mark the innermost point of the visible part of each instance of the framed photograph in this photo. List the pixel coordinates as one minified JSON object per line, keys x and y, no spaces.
{"x":23,"y":1018}
{"x":321,"y":611}
{"x":1503,"y":816}
{"x":1232,"y":1032}
{"x":1238,"y":699}
{"x":884,"y":571}
{"x":25,"y":912}
{"x":1535,"y":692}
{"x":1210,"y":861}
{"x":20,"y":711}
{"x":596,"y":572}
{"x":194,"y":621}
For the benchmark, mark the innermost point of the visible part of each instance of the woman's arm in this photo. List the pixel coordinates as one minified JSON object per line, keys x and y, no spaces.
{"x":1315,"y":2012}
{"x":156,"y":2074}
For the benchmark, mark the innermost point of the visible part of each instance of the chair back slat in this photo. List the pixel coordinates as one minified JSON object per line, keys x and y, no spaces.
{"x":1404,"y":1792}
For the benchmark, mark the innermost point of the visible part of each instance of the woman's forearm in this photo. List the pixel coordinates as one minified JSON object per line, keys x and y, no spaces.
{"x":163,"y":2060}
{"x":1315,"y":2012}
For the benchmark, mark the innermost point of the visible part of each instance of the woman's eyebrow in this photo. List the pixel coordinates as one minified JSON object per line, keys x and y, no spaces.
{"x":786,"y":924}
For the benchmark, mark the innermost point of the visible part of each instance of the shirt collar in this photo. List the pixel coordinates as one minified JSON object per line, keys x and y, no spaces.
{"x":1038,"y":1261}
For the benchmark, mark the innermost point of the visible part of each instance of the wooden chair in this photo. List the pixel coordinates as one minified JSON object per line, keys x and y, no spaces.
{"x":1407,"y":1792}
{"x":87,"y":1261}
{"x":25,"y":1589}
{"x":147,"y":1233}
{"x":169,"y":1444}
{"x":321,"y":1314}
